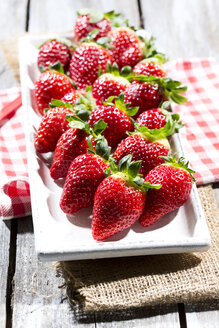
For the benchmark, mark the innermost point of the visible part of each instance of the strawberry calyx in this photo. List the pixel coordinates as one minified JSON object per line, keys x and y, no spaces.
{"x":174,"y":118}
{"x":128,"y":170}
{"x":103,"y":42}
{"x":58,"y":103}
{"x":57,"y":67}
{"x":119,"y":102}
{"x":96,"y":16}
{"x":172,"y":126}
{"x":82,"y":107}
{"x":180,"y":163}
{"x":117,"y":19}
{"x":102,"y":148}
{"x":84,"y":104}
{"x":125,"y":72}
{"x":77,"y":123}
{"x":171,"y":88}
{"x":149,"y":49}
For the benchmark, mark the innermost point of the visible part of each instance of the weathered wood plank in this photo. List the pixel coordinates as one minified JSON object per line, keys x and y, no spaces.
{"x":183,"y":28}
{"x":4,"y":264}
{"x":54,"y":16}
{"x":38,"y":301}
{"x":205,"y":314}
{"x":13,"y":17}
{"x":154,"y":317}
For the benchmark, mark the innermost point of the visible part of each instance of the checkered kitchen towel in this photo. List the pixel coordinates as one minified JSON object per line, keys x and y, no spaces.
{"x":200,"y":115}
{"x":14,"y":187}
{"x":200,"y":134}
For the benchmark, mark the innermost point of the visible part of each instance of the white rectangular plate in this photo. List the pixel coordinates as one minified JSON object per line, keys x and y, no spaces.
{"x":60,"y":238}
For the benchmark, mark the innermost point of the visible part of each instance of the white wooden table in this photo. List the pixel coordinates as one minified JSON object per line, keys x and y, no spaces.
{"x":185,"y":28}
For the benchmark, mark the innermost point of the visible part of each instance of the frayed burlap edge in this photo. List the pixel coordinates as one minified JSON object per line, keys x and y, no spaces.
{"x":120,"y":283}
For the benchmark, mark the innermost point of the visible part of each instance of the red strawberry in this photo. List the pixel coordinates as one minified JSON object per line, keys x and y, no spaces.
{"x":148,"y":92}
{"x":70,"y":97}
{"x":144,"y":95}
{"x":85,"y":63}
{"x":176,"y":180}
{"x":73,"y":143}
{"x":53,"y":51}
{"x":147,"y":145}
{"x":110,"y":84}
{"x":87,"y":21}
{"x":85,"y":174}
{"x":152,"y":118}
{"x":127,"y":47}
{"x":119,"y":200}
{"x":50,"y":85}
{"x":52,"y":126}
{"x":149,"y":67}
{"x":156,"y":118}
{"x":117,"y":117}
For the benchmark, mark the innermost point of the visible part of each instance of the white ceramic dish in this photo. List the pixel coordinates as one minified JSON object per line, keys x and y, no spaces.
{"x":60,"y":238}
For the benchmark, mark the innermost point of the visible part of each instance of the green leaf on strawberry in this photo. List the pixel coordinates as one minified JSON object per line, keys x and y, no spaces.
{"x":94,"y":15}
{"x":117,"y":19}
{"x":58,"y":103}
{"x":119,"y":102}
{"x":99,"y":127}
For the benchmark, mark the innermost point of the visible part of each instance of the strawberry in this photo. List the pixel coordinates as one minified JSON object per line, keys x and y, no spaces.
{"x":117,"y":117}
{"x":176,"y":180}
{"x":85,"y":63}
{"x":147,"y":145}
{"x":112,"y":83}
{"x":149,"y":66}
{"x":119,"y":200}
{"x":50,"y":85}
{"x":52,"y":126}
{"x":53,"y":51}
{"x":73,"y":143}
{"x":148,"y":92}
{"x":87,"y":21}
{"x":85,"y":174}
{"x":152,"y":118}
{"x":127,"y":47}
{"x":70,"y":97}
{"x":156,"y":118}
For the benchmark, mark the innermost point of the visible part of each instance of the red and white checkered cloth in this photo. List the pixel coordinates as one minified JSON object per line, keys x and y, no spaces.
{"x":200,"y":134}
{"x":14,"y":187}
{"x":200,"y":115}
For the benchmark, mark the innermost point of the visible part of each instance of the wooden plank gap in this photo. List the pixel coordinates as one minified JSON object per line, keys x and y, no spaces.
{"x":11,"y":272}
{"x":27,"y":16}
{"x":182,"y":315}
{"x":141,"y":18}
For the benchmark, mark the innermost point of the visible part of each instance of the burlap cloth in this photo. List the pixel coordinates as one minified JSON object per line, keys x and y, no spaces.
{"x":119,"y":283}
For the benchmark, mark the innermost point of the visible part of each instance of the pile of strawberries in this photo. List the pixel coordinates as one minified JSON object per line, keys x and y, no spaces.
{"x":106,"y":113}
